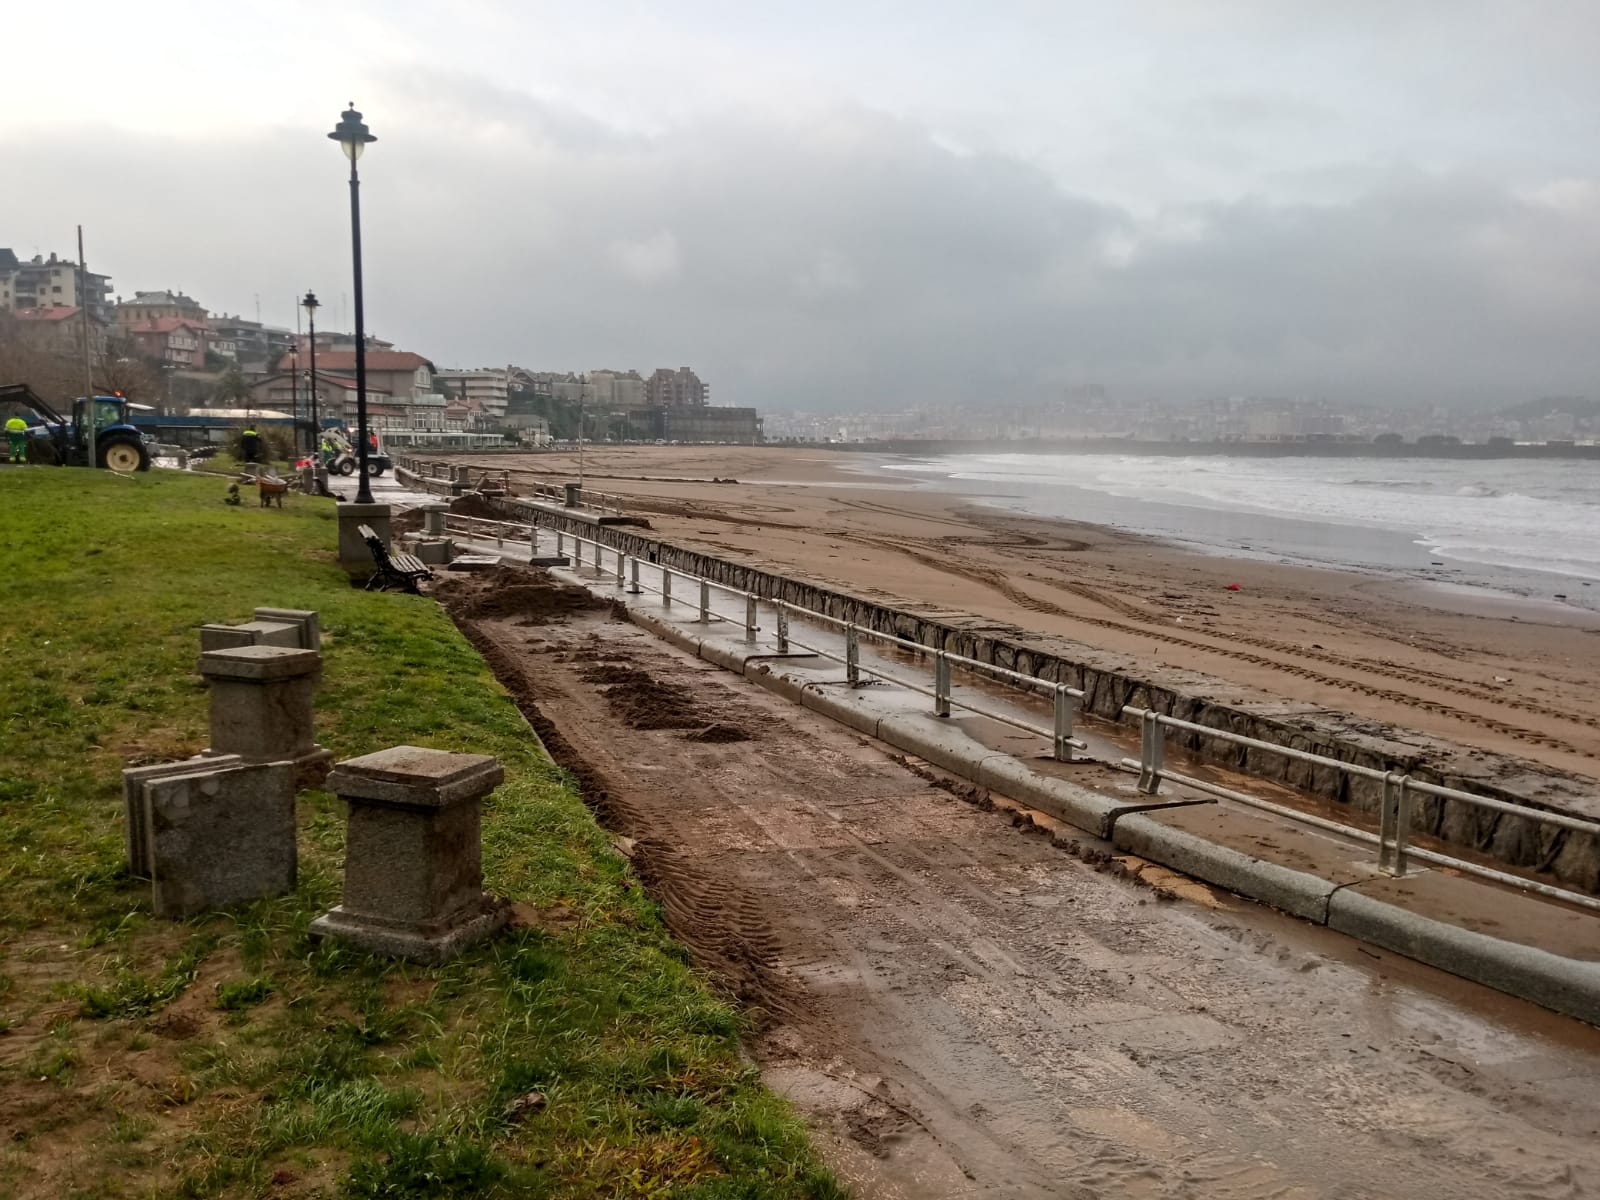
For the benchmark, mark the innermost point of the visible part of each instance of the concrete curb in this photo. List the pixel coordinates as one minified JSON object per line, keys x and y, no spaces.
{"x":727,"y":655}
{"x":949,"y":749}
{"x":833,"y":704}
{"x":1061,"y":798}
{"x":1567,"y":985}
{"x":666,"y":631}
{"x":1296,"y":892}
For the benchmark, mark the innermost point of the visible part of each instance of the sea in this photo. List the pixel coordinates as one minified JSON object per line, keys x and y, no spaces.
{"x":1529,"y":529}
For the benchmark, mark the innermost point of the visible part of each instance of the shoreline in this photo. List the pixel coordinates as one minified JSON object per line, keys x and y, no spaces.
{"x":1491,"y":671}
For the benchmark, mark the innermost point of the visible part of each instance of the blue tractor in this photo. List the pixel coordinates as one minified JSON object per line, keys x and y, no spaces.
{"x":118,"y":444}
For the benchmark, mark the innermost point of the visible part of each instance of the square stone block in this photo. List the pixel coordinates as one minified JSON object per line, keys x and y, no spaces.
{"x":251,"y":633}
{"x":413,"y":854}
{"x":435,"y":551}
{"x":309,"y":622}
{"x":136,"y":813}
{"x":221,"y":836}
{"x":224,"y":637}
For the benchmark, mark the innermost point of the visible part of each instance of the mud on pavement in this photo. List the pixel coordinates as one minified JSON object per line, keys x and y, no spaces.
{"x":966,"y":1010}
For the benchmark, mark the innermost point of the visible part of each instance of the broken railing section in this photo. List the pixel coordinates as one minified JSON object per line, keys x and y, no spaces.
{"x":219,"y":828}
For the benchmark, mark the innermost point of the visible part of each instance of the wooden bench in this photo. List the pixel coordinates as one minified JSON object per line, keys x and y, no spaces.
{"x":394,"y":570}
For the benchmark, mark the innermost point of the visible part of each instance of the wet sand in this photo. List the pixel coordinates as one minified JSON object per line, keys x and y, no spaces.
{"x":1473,"y":667}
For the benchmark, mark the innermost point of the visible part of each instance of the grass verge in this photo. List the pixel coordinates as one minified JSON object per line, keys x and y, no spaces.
{"x":578,"y":1055}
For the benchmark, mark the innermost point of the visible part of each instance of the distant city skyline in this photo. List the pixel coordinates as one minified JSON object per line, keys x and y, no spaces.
{"x":845,"y":208}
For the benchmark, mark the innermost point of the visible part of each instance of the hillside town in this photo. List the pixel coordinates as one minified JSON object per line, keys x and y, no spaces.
{"x":202,"y":372}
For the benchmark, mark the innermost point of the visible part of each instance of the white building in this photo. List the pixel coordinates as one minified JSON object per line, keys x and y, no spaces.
{"x":486,"y":388}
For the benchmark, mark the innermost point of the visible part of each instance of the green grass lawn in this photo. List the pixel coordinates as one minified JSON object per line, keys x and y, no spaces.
{"x":577,"y":1055}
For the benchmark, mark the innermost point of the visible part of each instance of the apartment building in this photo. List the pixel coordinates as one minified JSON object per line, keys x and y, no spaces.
{"x":682,"y":388}
{"x":41,"y":283}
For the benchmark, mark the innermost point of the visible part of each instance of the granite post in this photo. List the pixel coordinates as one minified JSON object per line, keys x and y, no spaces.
{"x":261,"y":707}
{"x":413,"y":877}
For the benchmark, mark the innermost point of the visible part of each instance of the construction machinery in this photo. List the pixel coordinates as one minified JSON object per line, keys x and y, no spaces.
{"x":118,"y":444}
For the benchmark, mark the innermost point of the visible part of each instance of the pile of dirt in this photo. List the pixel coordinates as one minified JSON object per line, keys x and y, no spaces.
{"x":409,"y":521}
{"x":718,"y":731}
{"x":530,"y":598}
{"x":476,"y":506}
{"x":644,"y":702}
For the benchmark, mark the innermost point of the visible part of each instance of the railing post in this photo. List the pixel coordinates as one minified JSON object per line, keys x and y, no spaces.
{"x":1152,"y":753}
{"x":500,"y":534}
{"x":598,"y":569}
{"x":749,"y":617}
{"x":852,"y":656}
{"x":633,"y":575}
{"x":705,"y":602}
{"x":941,"y":684}
{"x":1394,"y":823}
{"x":783,"y":626}
{"x":1402,"y":824}
{"x":561,"y":544}
{"x":621,"y":559}
{"x":666,"y":587}
{"x":1063,"y":739}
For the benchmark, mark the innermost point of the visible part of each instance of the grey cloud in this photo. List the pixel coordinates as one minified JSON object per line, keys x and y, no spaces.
{"x":843,"y":258}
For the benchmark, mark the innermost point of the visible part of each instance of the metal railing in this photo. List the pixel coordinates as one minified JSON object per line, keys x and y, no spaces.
{"x":1391,"y":840}
{"x":1394,"y":817}
{"x":462,"y":473}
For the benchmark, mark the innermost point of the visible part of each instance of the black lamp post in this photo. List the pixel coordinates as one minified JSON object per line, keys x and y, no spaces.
{"x":353,"y":135}
{"x":311,"y":304}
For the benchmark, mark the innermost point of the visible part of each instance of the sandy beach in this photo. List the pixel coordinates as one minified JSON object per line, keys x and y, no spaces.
{"x":1472,"y":666}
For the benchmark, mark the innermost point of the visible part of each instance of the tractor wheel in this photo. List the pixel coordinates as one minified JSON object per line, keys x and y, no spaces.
{"x":347,"y":466}
{"x":124,"y":456}
{"x":375,"y":470}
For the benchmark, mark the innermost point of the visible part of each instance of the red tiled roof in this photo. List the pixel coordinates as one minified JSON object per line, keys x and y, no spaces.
{"x":377,"y":360}
{"x":57,"y":312}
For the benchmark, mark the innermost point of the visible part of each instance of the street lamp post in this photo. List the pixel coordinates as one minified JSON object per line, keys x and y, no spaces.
{"x":311,"y":304}
{"x":353,"y":136}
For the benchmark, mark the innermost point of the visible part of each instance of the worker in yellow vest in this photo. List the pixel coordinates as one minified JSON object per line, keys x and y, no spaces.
{"x":17,"y":437}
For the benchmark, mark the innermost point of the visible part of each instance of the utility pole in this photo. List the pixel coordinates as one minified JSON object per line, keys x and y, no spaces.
{"x":580,"y":439}
{"x":88,"y":367}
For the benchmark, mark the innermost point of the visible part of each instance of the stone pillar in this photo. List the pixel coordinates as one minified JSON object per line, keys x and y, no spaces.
{"x":433,"y":519}
{"x":354,"y":556}
{"x":413,"y":877}
{"x":261,"y":707}
{"x":572,"y":495}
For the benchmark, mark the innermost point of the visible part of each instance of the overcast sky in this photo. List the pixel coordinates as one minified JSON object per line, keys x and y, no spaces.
{"x":861,"y":204}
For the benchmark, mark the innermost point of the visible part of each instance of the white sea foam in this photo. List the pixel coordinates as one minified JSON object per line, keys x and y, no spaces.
{"x":1513,"y":514}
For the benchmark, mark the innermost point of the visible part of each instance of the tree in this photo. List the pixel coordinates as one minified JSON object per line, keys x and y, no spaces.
{"x":233,"y":391}
{"x":122,"y":369}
